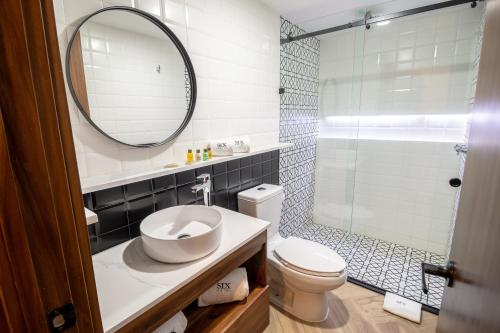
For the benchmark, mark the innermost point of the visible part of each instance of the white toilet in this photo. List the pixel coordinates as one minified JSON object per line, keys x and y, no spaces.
{"x":300,"y":272}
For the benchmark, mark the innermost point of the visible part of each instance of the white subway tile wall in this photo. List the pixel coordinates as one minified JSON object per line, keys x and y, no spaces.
{"x":463,"y":156}
{"x":234,"y":47}
{"x":401,"y":192}
{"x":393,"y":102}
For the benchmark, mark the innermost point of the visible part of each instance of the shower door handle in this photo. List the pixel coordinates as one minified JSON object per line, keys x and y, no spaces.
{"x":448,"y":272}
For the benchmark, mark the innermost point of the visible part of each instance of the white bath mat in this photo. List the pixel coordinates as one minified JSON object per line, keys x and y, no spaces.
{"x":403,"y":307}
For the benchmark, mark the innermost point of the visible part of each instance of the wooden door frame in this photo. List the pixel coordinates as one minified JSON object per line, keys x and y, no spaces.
{"x":13,"y":290}
{"x":45,"y":249}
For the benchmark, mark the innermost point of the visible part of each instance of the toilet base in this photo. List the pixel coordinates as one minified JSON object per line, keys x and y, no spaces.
{"x":305,"y":306}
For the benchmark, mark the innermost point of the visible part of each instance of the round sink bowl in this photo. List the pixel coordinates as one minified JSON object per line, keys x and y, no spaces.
{"x":182,"y":233}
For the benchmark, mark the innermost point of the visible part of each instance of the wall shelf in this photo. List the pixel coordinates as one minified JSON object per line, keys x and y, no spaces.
{"x":103,"y":182}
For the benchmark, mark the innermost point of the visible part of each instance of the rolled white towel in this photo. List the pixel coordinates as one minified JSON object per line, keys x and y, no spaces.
{"x":220,"y":148}
{"x":241,"y":145}
{"x":233,"y":287}
{"x":176,"y":324}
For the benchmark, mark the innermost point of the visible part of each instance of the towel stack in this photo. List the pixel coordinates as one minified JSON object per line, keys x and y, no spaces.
{"x":176,"y":324}
{"x":233,"y":287}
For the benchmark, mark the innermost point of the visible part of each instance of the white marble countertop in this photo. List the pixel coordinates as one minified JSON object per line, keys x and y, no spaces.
{"x":129,"y":283}
{"x":90,"y":216}
{"x":103,"y":182}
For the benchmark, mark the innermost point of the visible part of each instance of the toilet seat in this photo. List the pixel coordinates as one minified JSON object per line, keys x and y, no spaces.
{"x":309,"y":257}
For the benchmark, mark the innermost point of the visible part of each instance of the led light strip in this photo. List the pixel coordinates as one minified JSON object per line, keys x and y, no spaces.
{"x":419,"y":127}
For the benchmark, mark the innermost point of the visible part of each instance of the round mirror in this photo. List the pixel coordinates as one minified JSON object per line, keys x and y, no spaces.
{"x":131,"y":77}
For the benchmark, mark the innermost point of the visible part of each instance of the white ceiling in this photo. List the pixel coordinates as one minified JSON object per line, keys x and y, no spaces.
{"x":314,"y":15}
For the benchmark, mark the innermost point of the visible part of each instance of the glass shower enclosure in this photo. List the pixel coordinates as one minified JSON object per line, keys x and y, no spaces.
{"x":394,"y":103}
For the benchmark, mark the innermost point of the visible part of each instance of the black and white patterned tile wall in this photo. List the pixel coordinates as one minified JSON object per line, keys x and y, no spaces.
{"x":121,"y":209}
{"x":299,"y":124}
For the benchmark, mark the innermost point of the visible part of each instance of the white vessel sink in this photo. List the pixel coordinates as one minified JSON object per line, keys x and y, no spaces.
{"x":182,"y":233}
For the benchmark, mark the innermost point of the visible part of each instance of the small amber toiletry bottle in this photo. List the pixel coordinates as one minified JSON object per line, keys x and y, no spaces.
{"x":205,"y":154}
{"x":209,"y":152}
{"x":189,"y":156}
{"x":198,"y":155}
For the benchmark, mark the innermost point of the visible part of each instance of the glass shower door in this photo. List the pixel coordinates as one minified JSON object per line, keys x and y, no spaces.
{"x":394,"y":100}
{"x":416,"y":88}
{"x":341,"y":65}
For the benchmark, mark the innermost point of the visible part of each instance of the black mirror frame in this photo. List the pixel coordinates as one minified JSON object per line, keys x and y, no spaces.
{"x":180,"y":48}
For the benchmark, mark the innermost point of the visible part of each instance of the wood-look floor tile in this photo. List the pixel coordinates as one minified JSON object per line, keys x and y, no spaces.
{"x":353,"y":309}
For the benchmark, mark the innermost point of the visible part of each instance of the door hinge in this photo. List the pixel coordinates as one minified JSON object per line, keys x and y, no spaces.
{"x":62,"y":318}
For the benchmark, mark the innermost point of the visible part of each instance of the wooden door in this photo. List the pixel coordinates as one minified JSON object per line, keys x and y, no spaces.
{"x":45,"y":259}
{"x":473,"y":303}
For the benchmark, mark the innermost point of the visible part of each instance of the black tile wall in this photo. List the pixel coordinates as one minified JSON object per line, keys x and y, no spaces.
{"x":121,"y":209}
{"x":245,"y":161}
{"x":267,"y":167}
{"x":220,"y":182}
{"x":220,"y":168}
{"x":246,"y":174}
{"x":256,"y":159}
{"x":166,"y":199}
{"x":268,"y":179}
{"x":185,"y":195}
{"x":140,"y":208}
{"x":233,"y":178}
{"x":203,"y":170}
{"x":138,"y":189}
{"x":221,"y":198}
{"x":232,"y":196}
{"x":165,"y":182}
{"x":113,"y":238}
{"x":185,"y":177}
{"x":108,"y":197}
{"x":93,"y":238}
{"x":115,"y":217}
{"x":233,"y":165}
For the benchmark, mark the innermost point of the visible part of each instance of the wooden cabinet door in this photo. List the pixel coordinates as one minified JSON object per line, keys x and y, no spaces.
{"x":472,"y":304}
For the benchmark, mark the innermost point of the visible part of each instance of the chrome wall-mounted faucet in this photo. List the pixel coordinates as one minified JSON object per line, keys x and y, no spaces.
{"x":205,"y":185}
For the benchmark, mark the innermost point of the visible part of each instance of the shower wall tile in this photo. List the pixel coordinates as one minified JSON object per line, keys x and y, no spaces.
{"x":390,"y":190}
{"x":392,"y":109}
{"x":299,"y":125}
{"x":468,"y":32}
{"x":416,"y":78}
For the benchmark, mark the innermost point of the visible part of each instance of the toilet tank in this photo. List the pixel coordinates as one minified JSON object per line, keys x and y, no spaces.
{"x":263,"y":202}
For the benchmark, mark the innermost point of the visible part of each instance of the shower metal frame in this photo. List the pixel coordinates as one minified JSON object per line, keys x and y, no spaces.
{"x":368,"y":19}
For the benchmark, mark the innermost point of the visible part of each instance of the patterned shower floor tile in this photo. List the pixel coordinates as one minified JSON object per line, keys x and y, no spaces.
{"x":384,"y":265}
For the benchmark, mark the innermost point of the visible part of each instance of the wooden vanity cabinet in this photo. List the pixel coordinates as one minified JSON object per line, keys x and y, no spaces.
{"x":248,"y":316}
